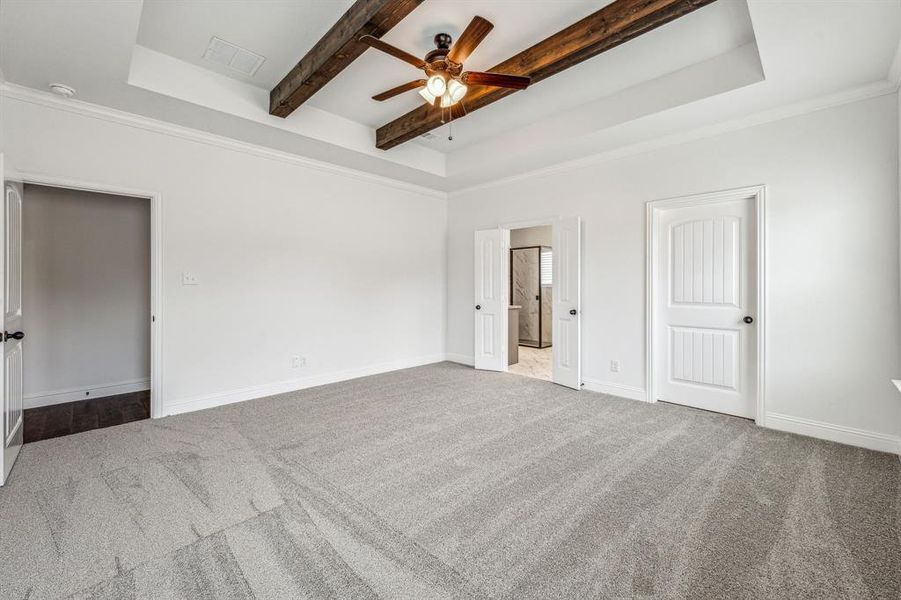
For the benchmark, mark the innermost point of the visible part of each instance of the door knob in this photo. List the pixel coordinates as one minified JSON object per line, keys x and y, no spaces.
{"x":13,"y":336}
{"x":572,"y":311}
{"x":748,"y":320}
{"x":478,"y":307}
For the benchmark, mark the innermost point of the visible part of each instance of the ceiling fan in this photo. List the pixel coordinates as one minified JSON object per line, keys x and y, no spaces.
{"x":446,"y":82}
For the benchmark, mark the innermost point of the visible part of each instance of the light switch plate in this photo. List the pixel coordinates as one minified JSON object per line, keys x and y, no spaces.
{"x":189,"y":279}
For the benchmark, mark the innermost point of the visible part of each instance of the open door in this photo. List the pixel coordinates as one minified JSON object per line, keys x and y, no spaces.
{"x":490,"y":306}
{"x":567,"y":309}
{"x":11,"y":326}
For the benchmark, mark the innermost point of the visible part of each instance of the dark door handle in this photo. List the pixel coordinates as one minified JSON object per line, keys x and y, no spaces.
{"x":478,"y":307}
{"x":13,"y":336}
{"x":748,"y":320}
{"x":572,"y":311}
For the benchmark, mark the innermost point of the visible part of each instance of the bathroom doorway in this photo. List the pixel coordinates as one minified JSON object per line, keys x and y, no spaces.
{"x":496,"y":319}
{"x":531,"y":301}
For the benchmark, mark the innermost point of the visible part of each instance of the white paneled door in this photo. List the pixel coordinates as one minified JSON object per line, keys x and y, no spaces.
{"x":11,"y":327}
{"x":567,"y":308}
{"x":490,"y":302}
{"x":705,"y":306}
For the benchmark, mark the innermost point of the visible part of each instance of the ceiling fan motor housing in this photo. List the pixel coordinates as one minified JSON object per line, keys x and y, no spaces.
{"x":443,"y":42}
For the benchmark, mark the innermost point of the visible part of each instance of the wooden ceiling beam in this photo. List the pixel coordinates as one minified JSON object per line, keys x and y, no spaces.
{"x":615,"y":24}
{"x":336,"y":50}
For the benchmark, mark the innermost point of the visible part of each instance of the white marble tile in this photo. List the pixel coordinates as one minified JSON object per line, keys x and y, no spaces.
{"x":534,"y":362}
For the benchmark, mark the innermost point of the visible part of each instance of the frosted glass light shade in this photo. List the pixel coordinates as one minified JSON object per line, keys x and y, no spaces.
{"x":456,"y":90}
{"x":436,"y":85}
{"x":427,"y":95}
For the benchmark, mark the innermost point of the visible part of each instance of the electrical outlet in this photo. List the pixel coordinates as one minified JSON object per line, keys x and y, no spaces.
{"x":298,"y":362}
{"x":189,"y":279}
{"x":614,"y":366}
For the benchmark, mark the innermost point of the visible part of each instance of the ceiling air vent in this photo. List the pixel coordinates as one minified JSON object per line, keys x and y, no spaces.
{"x":429,"y":136}
{"x":234,"y":57}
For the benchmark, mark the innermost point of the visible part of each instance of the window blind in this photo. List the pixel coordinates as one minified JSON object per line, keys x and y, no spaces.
{"x":547,"y":266}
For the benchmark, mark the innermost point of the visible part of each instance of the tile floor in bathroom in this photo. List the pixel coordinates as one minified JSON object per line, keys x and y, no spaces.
{"x":534,"y":362}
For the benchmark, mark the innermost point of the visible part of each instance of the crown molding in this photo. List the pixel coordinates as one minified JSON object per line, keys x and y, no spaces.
{"x":96,"y":111}
{"x":849,"y":96}
{"x":79,"y":107}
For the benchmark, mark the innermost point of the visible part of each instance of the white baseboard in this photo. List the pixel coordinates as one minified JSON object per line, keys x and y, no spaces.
{"x":83,"y":393}
{"x":835,"y":433}
{"x":615,"y":389}
{"x":291,"y":385}
{"x":460,"y":358}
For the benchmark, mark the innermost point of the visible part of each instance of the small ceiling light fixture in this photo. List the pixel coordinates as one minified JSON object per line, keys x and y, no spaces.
{"x":63,"y":90}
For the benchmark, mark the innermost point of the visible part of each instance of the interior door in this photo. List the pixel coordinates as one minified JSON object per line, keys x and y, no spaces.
{"x":490,"y":305}
{"x":567,"y":308}
{"x":705,"y":343}
{"x":11,"y":315}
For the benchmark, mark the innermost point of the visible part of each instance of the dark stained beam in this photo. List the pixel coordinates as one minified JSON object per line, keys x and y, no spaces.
{"x":615,"y":24}
{"x":337,"y":49}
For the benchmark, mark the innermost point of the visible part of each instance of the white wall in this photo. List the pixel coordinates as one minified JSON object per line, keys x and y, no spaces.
{"x":291,"y":259}
{"x":832,"y":252}
{"x":86,"y":294}
{"x":532,"y":236}
{"x":898,"y":98}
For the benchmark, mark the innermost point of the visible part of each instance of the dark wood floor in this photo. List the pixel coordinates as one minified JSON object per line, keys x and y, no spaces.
{"x":48,"y":422}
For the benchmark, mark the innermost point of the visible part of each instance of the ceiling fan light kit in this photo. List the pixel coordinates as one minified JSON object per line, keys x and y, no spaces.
{"x":447,"y":83}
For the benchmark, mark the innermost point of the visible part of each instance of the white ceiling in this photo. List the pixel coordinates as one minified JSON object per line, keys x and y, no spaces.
{"x":727,"y":60}
{"x":280,"y":30}
{"x":286,"y":31}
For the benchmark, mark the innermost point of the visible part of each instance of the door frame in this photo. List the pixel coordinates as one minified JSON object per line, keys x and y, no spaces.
{"x":757,"y":194}
{"x":546,"y":221}
{"x":540,"y":293}
{"x":156,"y":265}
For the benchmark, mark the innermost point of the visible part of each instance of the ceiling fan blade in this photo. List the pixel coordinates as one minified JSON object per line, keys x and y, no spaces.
{"x":410,"y":85}
{"x":378,"y":44}
{"x":515,"y":82}
{"x":471,"y":37}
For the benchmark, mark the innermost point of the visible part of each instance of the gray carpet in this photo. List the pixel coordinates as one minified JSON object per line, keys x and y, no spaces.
{"x":444,"y":482}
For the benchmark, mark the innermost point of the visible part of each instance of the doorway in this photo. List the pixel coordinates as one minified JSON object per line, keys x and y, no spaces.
{"x":508,"y":283}
{"x":86,"y":294}
{"x":13,"y":367}
{"x":706,"y":301}
{"x":531,"y":295}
